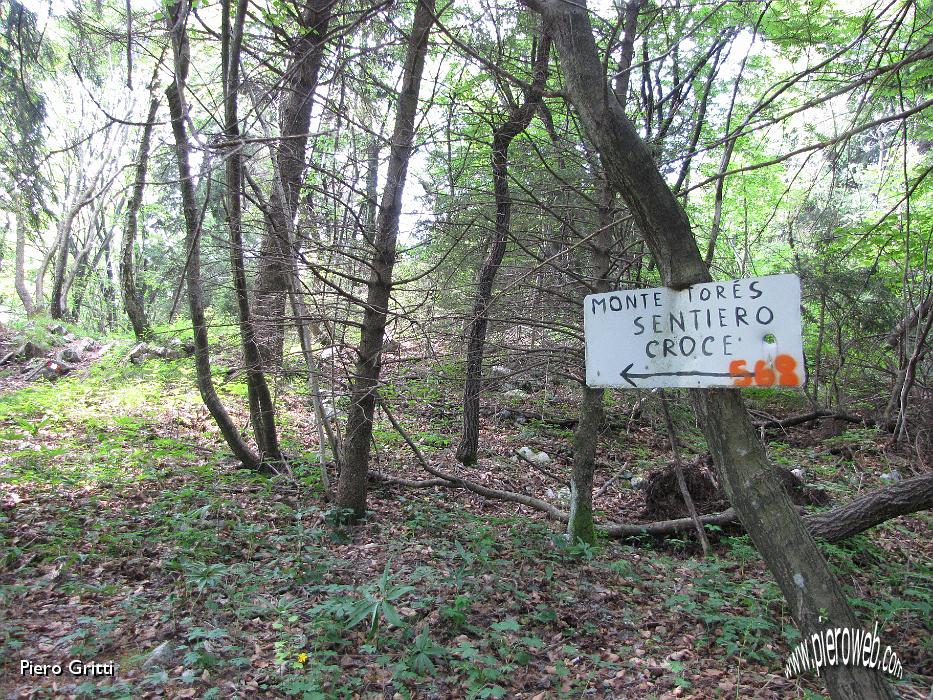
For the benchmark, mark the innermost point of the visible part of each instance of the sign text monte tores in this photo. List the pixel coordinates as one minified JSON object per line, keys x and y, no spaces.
{"x":733,"y":333}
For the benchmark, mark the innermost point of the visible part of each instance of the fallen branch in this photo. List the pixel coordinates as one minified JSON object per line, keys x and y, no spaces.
{"x":668,"y":527}
{"x":814,"y":415}
{"x":530,"y":501}
{"x":605,"y":487}
{"x":870,"y":509}
{"x":387,"y":480}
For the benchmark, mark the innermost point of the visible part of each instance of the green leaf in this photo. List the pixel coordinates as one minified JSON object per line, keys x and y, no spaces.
{"x":509,"y":624}
{"x":397,"y":592}
{"x":361,"y":611}
{"x":391,"y":615}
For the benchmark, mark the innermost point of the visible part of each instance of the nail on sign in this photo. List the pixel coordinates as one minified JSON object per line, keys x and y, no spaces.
{"x":732,"y":334}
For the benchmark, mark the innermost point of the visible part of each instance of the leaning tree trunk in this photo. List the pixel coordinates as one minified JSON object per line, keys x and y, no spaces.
{"x":132,"y":299}
{"x":175,"y":93}
{"x":518,"y":119}
{"x":776,"y":528}
{"x":351,"y":488}
{"x":873,"y":508}
{"x":274,"y":267}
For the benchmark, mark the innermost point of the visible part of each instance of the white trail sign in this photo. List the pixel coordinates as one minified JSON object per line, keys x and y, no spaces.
{"x":731,"y":333}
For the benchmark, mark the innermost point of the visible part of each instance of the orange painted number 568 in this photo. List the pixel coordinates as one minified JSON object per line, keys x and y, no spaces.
{"x":782,"y":372}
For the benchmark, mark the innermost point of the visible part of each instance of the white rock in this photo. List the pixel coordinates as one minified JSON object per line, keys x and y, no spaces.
{"x":532,"y":456}
{"x":498,"y":371}
{"x":139,"y":353}
{"x":87,"y":345}
{"x":526,"y":452}
{"x":799,"y":473}
{"x":516,"y":394}
{"x":891,"y":477}
{"x":637,"y":481}
{"x":159,"y":657}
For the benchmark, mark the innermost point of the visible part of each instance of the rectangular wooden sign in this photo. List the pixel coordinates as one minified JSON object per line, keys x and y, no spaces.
{"x":734,"y":333}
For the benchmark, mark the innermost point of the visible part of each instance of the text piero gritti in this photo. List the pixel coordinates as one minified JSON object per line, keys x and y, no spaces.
{"x":75,"y":667}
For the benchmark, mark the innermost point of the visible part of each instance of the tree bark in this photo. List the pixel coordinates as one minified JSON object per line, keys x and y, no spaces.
{"x":132,"y":299}
{"x":518,"y":119}
{"x":262,"y":413}
{"x":20,"y":262}
{"x":58,"y":303}
{"x":585,"y":441}
{"x":352,"y":485}
{"x":175,"y":93}
{"x":592,"y":414}
{"x":766,"y":512}
{"x":39,"y":295}
{"x":300,"y":85}
{"x":899,"y":332}
{"x":873,"y":508}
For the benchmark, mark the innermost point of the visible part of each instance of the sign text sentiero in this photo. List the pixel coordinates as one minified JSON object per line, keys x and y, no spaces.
{"x":734,"y":333}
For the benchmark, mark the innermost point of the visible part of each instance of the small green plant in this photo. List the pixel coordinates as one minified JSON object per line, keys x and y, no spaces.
{"x":376,"y":604}
{"x":200,"y":575}
{"x":91,"y":636}
{"x":200,"y":652}
{"x":456,"y":613}
{"x":423,"y":653}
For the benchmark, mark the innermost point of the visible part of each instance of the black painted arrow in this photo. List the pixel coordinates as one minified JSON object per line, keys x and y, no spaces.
{"x":627,"y":376}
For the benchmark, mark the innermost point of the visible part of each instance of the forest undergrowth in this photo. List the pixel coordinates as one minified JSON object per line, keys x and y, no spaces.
{"x":129,"y":535}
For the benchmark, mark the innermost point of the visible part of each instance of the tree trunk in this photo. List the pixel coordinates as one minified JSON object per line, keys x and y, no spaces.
{"x":766,"y":512}
{"x":20,"y":263}
{"x":899,"y":332}
{"x":175,"y":94}
{"x":58,"y":303}
{"x":300,"y":85}
{"x":110,"y":295}
{"x":262,"y":413}
{"x":351,"y":488}
{"x":132,"y":299}
{"x":585,"y":440}
{"x":39,"y":295}
{"x":518,"y":119}
{"x":586,"y":437}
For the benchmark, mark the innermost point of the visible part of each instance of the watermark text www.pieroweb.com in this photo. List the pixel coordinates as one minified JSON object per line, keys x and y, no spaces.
{"x":843,"y":646}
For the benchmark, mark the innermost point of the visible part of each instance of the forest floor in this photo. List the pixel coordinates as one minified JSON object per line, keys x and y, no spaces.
{"x":129,"y":535}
